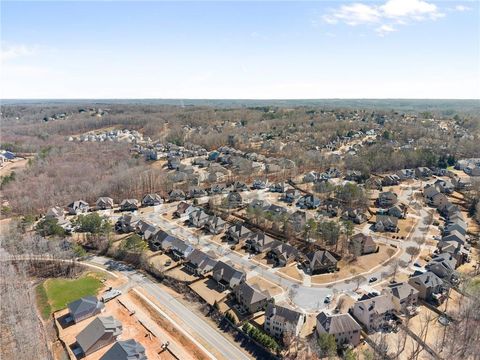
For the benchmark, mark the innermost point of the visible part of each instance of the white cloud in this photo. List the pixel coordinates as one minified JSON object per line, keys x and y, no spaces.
{"x":354,"y":14}
{"x":385,"y":29}
{"x":400,"y":12}
{"x":462,"y":8}
{"x":9,"y":52}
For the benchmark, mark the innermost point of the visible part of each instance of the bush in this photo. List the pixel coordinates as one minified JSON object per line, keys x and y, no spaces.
{"x":49,"y":227}
{"x":260,"y":336}
{"x":93,"y":223}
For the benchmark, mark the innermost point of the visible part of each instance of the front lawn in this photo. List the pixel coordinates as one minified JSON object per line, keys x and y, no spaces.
{"x":56,"y":294}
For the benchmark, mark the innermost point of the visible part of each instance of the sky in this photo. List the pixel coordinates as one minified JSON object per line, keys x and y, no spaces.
{"x":240,"y":50}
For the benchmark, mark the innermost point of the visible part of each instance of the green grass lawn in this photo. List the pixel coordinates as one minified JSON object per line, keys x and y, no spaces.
{"x":56,"y":294}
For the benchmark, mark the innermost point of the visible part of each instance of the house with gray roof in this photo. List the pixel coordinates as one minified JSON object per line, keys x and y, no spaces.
{"x":391,"y":180}
{"x":199,"y":263}
{"x":238,"y":233}
{"x":215,"y":224}
{"x":308,"y":202}
{"x":78,"y":207}
{"x":430,"y":287}
{"x":386,"y":223}
{"x":342,"y":327}
{"x":259,"y":242}
{"x":283,"y":254}
{"x":387,"y":199}
{"x":156,"y":240}
{"x":320,"y":261}
{"x":84,"y":308}
{"x":443,"y":265}
{"x":373,"y":311}
{"x":233,"y":200}
{"x":125,"y":350}
{"x":198,"y":218}
{"x":281,"y":319}
{"x":179,"y":249}
{"x":102,"y":331}
{"x":152,"y":200}
{"x":127,"y":223}
{"x":250,"y":298}
{"x":129,"y":205}
{"x":176,"y":195}
{"x":227,"y":276}
{"x":403,"y":295}
{"x":104,"y":203}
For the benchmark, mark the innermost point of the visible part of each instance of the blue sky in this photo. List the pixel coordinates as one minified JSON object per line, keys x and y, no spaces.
{"x":249,"y":50}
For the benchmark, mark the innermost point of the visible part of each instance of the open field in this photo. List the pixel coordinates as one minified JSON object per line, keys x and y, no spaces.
{"x":56,"y":294}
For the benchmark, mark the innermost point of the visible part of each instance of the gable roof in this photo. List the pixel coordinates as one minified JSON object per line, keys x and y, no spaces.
{"x":96,"y":329}
{"x":250,"y":293}
{"x":125,"y":350}
{"x":401,"y":290}
{"x":282,"y":314}
{"x":338,"y":323}
{"x":84,"y":304}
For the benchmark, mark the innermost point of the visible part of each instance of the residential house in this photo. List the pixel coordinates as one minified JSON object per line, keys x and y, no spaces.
{"x":308,"y":202}
{"x":455,"y":235}
{"x":459,"y":251}
{"x":184,"y":210}
{"x":320,"y":262}
{"x":84,"y":308}
{"x":277,"y":187}
{"x":199,"y":263}
{"x":361,"y":244}
{"x":403,"y":295}
{"x":78,"y":207}
{"x":196,"y":192}
{"x":227,"y":276}
{"x":280,"y":320}
{"x":102,"y":331}
{"x":173,"y":163}
{"x":260,"y":242}
{"x":291,"y":195}
{"x":238,"y":233}
{"x":219,"y":188}
{"x":126,"y":223}
{"x":444,"y":186}
{"x":157,"y":239}
{"x":443,"y":265}
{"x":423,"y":172}
{"x":259,"y":184}
{"x":125,"y":350}
{"x":430,"y":287}
{"x":391,"y":180}
{"x":179,"y":249}
{"x":176,"y":195}
{"x":145,"y":229}
{"x":215,"y":224}
{"x":354,"y":175}
{"x":129,"y":205}
{"x":373,"y":311}
{"x":387,"y":199}
{"x":357,"y":216}
{"x":104,"y":203}
{"x":283,"y":254}
{"x":198,"y":218}
{"x":152,"y":200}
{"x":233,"y":200}
{"x":405,"y":174}
{"x":250,"y":298}
{"x":342,"y":327}
{"x":398,"y":211}
{"x":239,"y":186}
{"x":386,"y":223}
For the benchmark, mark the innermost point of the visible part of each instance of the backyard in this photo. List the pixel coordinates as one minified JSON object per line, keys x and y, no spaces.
{"x":56,"y":294}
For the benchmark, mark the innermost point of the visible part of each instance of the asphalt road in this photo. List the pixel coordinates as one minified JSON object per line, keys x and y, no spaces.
{"x":185,"y":317}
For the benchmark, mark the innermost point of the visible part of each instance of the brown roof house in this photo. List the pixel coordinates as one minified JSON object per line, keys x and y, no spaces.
{"x":320,"y":261}
{"x":280,"y":319}
{"x":250,"y":298}
{"x":84,"y":308}
{"x":361,"y":244}
{"x":343,"y":327}
{"x":102,"y":331}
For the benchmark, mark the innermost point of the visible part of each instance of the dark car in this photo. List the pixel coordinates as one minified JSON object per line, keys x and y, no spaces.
{"x":372,"y":279}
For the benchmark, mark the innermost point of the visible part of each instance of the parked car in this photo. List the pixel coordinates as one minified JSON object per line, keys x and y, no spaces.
{"x":328,"y":299}
{"x":372,"y":279}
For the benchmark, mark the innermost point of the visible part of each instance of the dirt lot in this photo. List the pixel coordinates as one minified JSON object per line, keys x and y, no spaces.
{"x":263,"y":284}
{"x":208,"y":291}
{"x":132,"y":329}
{"x":291,"y":271}
{"x":15,"y":165}
{"x":362,"y":264}
{"x":425,"y":324}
